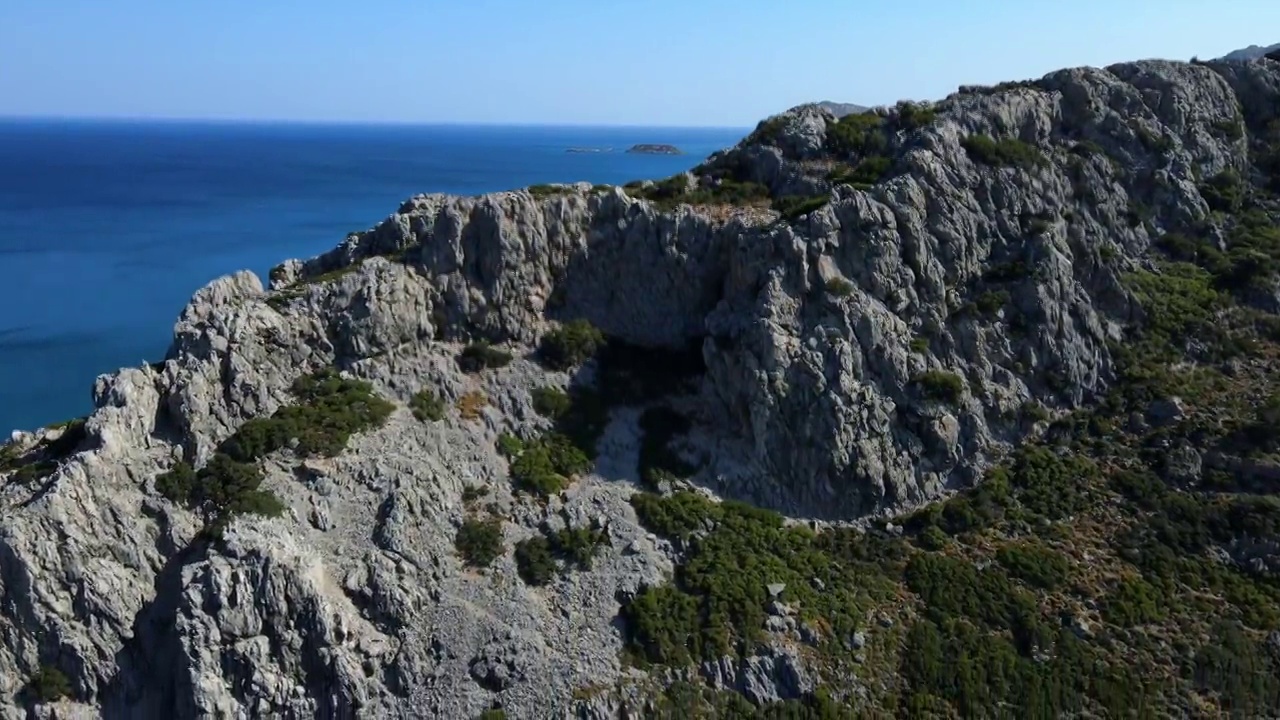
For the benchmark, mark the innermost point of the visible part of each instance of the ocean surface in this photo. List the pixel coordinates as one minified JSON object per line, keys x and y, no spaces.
{"x":107,"y":228}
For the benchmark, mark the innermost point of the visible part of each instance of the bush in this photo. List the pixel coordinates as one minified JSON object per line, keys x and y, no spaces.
{"x":867,"y":172}
{"x":534,"y":561}
{"x":793,"y":207}
{"x":49,"y":684}
{"x":941,"y":385}
{"x":538,"y":559}
{"x":472,"y":493}
{"x":839,"y":287}
{"x":571,"y":345}
{"x":480,"y":356}
{"x":1003,"y":153}
{"x":543,"y":191}
{"x":1035,"y":564}
{"x":718,"y":603}
{"x":552,"y":403}
{"x":913,"y":116}
{"x":1133,"y":602}
{"x":509,"y":445}
{"x":426,"y":405}
{"x":546,"y":465}
{"x":1224,"y":192}
{"x":177,"y":484}
{"x":331,"y":409}
{"x":479,"y":542}
{"x":859,"y":134}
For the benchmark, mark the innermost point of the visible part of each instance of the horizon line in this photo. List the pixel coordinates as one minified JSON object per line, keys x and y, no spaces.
{"x":177,"y":119}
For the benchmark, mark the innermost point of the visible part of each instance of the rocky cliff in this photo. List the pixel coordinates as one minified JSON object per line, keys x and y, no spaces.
{"x":472,"y":460}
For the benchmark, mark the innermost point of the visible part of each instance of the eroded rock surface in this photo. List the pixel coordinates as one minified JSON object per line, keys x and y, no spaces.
{"x":860,"y":358}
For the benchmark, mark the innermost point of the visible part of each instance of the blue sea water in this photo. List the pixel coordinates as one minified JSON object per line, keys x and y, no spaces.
{"x":106,"y":228}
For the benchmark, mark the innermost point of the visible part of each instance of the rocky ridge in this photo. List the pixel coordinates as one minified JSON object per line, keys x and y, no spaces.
{"x":880,"y":306}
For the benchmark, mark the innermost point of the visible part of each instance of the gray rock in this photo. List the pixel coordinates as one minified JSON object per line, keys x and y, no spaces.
{"x":353,"y":603}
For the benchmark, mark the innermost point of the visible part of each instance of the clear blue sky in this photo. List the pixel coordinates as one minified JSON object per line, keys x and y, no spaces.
{"x":657,"y":62}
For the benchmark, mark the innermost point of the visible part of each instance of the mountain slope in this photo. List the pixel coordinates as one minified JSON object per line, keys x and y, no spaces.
{"x":994,"y":375}
{"x":1253,"y":52}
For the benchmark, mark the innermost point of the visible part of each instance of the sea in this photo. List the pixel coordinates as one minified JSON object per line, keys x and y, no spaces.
{"x":108,"y":227}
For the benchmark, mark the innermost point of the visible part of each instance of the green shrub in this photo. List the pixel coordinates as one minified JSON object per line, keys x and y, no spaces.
{"x":571,"y":344}
{"x":867,"y":172}
{"x":331,"y":409}
{"x":1034,"y":411}
{"x":860,"y":134}
{"x":538,"y":559}
{"x":839,"y":287}
{"x":920,"y":344}
{"x":1035,"y":564}
{"x":793,"y":207}
{"x":479,"y":542}
{"x":177,"y":484}
{"x":1003,"y":153}
{"x":912,"y":116}
{"x":551,"y":402}
{"x":1224,"y":192}
{"x":49,"y":684}
{"x":480,"y":356}
{"x":427,"y":406}
{"x":543,"y":191}
{"x":534,"y":561}
{"x":546,"y":465}
{"x":1133,"y":602}
{"x":941,"y":385}
{"x":718,"y":603}
{"x":509,"y":445}
{"x":991,"y":301}
{"x":472,"y":493}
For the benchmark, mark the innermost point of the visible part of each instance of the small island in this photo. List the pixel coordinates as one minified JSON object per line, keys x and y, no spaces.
{"x":651,"y":149}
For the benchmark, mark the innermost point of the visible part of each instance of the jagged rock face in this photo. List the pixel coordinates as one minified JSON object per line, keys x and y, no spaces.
{"x":355,"y":604}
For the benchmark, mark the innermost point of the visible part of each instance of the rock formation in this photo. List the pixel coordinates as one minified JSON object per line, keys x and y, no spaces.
{"x":880,"y":308}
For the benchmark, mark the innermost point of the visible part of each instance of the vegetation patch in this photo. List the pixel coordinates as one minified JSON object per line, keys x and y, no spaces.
{"x":539,"y":559}
{"x":479,"y":542}
{"x":330,"y":410}
{"x":719,"y":601}
{"x":427,"y":406}
{"x":570,"y":345}
{"x":545,"y":191}
{"x":472,"y":404}
{"x":941,"y":385}
{"x":1003,"y":153}
{"x":49,"y":684}
{"x":38,"y":463}
{"x":480,"y":356}
{"x":793,"y":207}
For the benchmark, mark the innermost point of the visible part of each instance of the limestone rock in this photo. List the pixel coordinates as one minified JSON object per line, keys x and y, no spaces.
{"x":859,"y":358}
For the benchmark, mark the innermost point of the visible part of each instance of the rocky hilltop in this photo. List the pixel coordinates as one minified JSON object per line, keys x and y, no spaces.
{"x":952,"y":409}
{"x":1253,"y":52}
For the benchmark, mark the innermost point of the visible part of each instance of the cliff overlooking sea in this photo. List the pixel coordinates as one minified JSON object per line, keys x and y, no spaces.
{"x":147,"y":212}
{"x":964,"y":408}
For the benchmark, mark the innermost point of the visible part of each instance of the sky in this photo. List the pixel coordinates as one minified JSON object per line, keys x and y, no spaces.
{"x":725,"y":63}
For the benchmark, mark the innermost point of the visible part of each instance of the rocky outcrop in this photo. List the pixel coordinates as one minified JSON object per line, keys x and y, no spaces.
{"x":862,"y":354}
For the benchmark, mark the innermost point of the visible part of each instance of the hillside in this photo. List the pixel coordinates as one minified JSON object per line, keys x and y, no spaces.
{"x":1253,"y":52}
{"x":958,"y":409}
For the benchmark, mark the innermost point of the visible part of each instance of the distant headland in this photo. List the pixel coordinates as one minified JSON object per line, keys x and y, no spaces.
{"x":651,"y":149}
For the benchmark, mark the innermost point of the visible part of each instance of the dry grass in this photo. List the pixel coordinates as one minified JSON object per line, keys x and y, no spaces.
{"x":472,"y":404}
